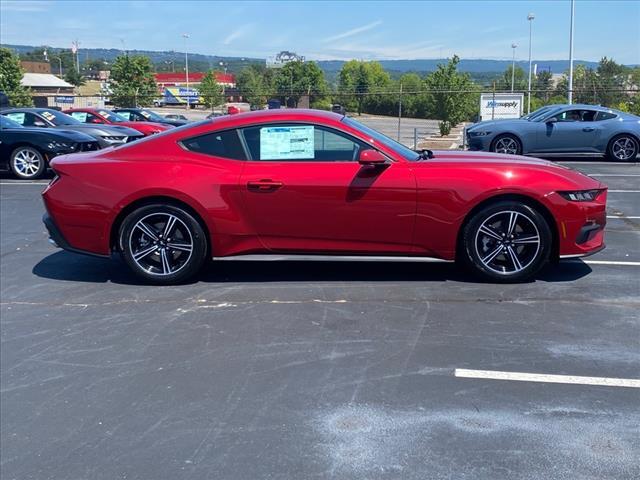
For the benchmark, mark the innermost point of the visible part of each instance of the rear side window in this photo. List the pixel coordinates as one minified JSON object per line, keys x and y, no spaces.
{"x":605,"y":116}
{"x":218,"y":144}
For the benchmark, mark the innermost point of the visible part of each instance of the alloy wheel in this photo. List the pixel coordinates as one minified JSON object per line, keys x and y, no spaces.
{"x":623,"y":148}
{"x":507,"y":242}
{"x":161,"y":244}
{"x":26,"y":163}
{"x":506,"y":145}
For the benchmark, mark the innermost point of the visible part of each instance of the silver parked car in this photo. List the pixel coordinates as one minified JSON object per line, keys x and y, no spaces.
{"x":106,"y":135}
{"x":561,"y":129}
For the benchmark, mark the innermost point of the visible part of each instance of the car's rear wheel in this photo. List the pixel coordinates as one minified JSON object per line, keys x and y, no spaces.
{"x":27,"y":163}
{"x":163,"y":244}
{"x":623,"y":148}
{"x":507,"y":242}
{"x":507,"y":144}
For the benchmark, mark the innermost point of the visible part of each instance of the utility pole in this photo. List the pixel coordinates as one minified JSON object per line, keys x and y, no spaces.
{"x":513,"y":65}
{"x":186,"y":66}
{"x":570,"y":93}
{"x":399,"y":111}
{"x":530,"y":17}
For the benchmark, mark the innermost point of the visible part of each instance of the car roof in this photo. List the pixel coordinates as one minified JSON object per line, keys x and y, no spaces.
{"x":278,"y":115}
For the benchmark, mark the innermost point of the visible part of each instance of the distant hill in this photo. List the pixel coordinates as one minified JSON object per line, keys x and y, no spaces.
{"x":234,"y":64}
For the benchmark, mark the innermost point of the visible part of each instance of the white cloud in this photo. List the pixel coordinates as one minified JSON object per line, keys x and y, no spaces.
{"x":237,"y":33}
{"x":353,"y":31}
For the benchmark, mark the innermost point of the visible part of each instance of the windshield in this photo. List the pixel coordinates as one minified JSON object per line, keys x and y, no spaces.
{"x":112,"y":116}
{"x":546,"y":114}
{"x":403,"y":150}
{"x":151,"y":116}
{"x":8,"y":123}
{"x":537,"y":112}
{"x":59,"y":118}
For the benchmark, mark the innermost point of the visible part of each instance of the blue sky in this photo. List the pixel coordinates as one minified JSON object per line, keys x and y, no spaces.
{"x":332,"y":30}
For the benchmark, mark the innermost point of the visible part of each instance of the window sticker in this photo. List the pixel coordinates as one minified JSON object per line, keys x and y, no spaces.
{"x":80,"y":116}
{"x":16,"y":117}
{"x":103,"y":113}
{"x":145,"y":114}
{"x":287,"y":143}
{"x":49,"y":116}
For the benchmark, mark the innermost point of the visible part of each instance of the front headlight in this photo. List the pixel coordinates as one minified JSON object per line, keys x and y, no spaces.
{"x":480,"y":133}
{"x":56,"y":145}
{"x":581,"y":195}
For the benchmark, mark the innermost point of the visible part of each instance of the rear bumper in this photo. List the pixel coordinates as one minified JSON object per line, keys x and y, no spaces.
{"x":57,"y":239}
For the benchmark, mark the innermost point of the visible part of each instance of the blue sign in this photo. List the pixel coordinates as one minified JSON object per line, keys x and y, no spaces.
{"x":64,"y":100}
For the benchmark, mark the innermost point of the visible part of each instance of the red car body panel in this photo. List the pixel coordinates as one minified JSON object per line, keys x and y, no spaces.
{"x":405,"y":208}
{"x":146,"y":128}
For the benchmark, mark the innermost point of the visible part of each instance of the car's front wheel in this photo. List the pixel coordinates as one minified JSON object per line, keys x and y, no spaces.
{"x":27,"y":163}
{"x":507,"y":242}
{"x":163,"y":244}
{"x":623,"y":148}
{"x":507,"y":144}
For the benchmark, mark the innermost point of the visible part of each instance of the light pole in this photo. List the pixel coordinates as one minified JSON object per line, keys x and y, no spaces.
{"x":186,"y":65}
{"x":513,"y":65}
{"x":60,"y":65}
{"x":224,"y":66}
{"x":530,"y":17}
{"x":570,"y":93}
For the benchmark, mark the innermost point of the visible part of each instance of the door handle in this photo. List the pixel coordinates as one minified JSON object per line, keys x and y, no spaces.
{"x":588,"y":129}
{"x":266,"y":185}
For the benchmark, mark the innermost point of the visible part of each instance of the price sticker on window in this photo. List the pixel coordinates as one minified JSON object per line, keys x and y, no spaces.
{"x":287,"y":143}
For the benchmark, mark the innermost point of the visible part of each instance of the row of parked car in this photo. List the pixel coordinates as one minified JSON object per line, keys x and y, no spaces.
{"x":31,"y":137}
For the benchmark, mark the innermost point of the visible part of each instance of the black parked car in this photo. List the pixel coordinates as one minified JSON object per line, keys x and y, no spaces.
{"x":27,"y":151}
{"x":107,"y":135}
{"x":339,"y":109}
{"x":144,"y":115}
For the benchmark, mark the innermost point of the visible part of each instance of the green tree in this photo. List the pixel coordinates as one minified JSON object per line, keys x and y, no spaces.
{"x":74,"y":78}
{"x":11,"y":74}
{"x":255,"y":84}
{"x":131,"y":81}
{"x":211,"y":91}
{"x":295,"y":79}
{"x":451,"y":95}
{"x":414,"y":102}
{"x":542,"y":86}
{"x":520,"y":80}
{"x":364,"y":86}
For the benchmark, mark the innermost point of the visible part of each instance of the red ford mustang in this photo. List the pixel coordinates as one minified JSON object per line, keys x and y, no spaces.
{"x":102,"y":115}
{"x":304,"y":182}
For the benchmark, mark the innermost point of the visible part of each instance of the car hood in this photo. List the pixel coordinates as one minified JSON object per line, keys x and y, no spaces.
{"x":102,"y":130}
{"x":504,"y":164}
{"x":146,"y":124}
{"x":500,"y":122}
{"x":54,"y":133}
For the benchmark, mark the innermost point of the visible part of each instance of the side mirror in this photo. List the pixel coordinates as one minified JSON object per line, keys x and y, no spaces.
{"x":552,"y":120}
{"x":372,"y":157}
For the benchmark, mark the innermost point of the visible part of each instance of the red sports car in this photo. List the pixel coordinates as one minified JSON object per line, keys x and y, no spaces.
{"x":304,"y":182}
{"x":102,"y":115}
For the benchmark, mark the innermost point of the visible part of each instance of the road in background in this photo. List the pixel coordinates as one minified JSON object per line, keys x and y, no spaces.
{"x":316,"y":370}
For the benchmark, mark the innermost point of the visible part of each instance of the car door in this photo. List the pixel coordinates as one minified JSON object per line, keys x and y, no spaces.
{"x":569,"y":131}
{"x":304,"y":191}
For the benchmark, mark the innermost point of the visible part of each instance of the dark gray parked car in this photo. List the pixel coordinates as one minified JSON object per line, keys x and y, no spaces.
{"x":561,"y":129}
{"x":106,"y":135}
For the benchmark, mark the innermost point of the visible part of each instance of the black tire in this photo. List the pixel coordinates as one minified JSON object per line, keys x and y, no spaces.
{"x":27,"y":163}
{"x":159,"y":258}
{"x":623,"y":148}
{"x":499,"y":145}
{"x":496,"y":252}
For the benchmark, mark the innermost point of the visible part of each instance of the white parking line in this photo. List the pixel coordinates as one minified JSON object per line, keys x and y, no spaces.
{"x":24,"y":183}
{"x":543,"y":378}
{"x":609,"y":262}
{"x":613,"y":175}
{"x":624,"y":191}
{"x":622,"y":217}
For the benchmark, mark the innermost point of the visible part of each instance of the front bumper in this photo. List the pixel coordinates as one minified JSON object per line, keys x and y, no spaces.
{"x":481,"y":144}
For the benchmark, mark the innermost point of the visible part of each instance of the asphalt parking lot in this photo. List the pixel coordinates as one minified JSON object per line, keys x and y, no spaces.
{"x":309,"y":370}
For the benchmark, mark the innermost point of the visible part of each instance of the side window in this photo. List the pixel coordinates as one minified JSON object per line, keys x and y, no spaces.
{"x":17,"y":117}
{"x":125,"y":115}
{"x":570,"y":116}
{"x":80,"y":116}
{"x":218,"y":144}
{"x":300,"y":142}
{"x":588,"y":115}
{"x":605,"y":116}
